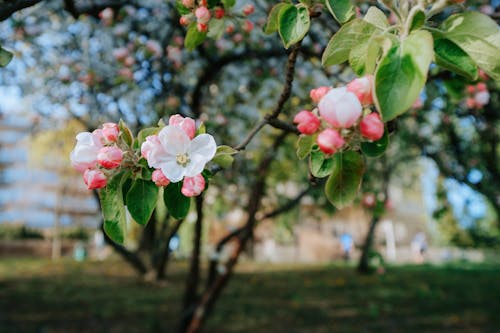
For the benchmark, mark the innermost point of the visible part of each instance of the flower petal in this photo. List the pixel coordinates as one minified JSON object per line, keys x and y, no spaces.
{"x":174,"y":140}
{"x":204,"y":146}
{"x":173,"y":171}
{"x":195,"y":166}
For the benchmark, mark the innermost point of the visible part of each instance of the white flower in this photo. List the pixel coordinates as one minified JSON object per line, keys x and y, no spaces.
{"x":177,"y":156}
{"x":84,"y":156}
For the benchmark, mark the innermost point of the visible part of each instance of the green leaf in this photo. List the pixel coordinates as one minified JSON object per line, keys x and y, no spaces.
{"x":363,"y":56}
{"x":113,"y":209}
{"x":144,"y":133}
{"x":479,"y":36}
{"x":320,"y":165}
{"x":417,"y":21}
{"x":402,"y":74}
{"x":177,"y":204}
{"x":5,"y":57}
{"x":294,"y":23}
{"x":216,"y":28}
{"x":202,"y":129}
{"x":194,"y":37}
{"x":342,"y":10}
{"x":141,"y":200}
{"x":375,"y":148}
{"x":453,"y":58}
{"x":349,"y":35}
{"x":183,"y":10}
{"x":126,"y":133}
{"x":342,"y":186}
{"x":272,"y":23}
{"x":228,"y":3}
{"x":304,"y":146}
{"x":376,"y":17}
{"x":223,"y":157}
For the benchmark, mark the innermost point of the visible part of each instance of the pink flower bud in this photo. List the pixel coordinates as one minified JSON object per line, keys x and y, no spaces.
{"x":248,"y":9}
{"x":110,"y":131}
{"x":362,"y":88}
{"x":193,"y":186}
{"x":110,"y":157}
{"x":202,"y":27}
{"x":187,"y":124}
{"x":470,"y":103}
{"x":106,"y":14}
{"x":481,"y":86}
{"x":120,"y":53}
{"x":94,"y":179}
{"x":202,"y":15}
{"x":154,"y":47}
{"x":188,"y":3}
{"x":159,"y":178}
{"x":471,"y":89}
{"x":482,"y":98}
{"x":151,"y":144}
{"x":230,"y":29}
{"x":184,"y":20}
{"x":129,"y":61}
{"x":248,"y":26}
{"x":329,"y":141}
{"x":340,"y":108}
{"x":318,"y":93}
{"x":372,"y":127}
{"x":307,"y":122}
{"x":219,"y":13}
{"x":84,"y":155}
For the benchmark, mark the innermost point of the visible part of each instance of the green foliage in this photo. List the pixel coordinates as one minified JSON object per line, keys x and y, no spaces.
{"x":375,"y":148}
{"x":126,"y":133}
{"x":294,"y":23}
{"x":144,"y":133}
{"x":113,"y":208}
{"x":342,"y":10}
{"x":141,"y":200}
{"x":320,"y":165}
{"x":223,"y":157}
{"x":272,"y":24}
{"x":477,"y":35}
{"x":344,"y":182}
{"x":8,"y":232}
{"x":304,"y":146}
{"x":402,"y":74}
{"x":177,"y":204}
{"x":5,"y":57}
{"x":450,"y":56}
{"x":194,"y":37}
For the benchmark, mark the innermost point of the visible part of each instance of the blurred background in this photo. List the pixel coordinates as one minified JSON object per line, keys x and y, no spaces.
{"x":417,"y":252}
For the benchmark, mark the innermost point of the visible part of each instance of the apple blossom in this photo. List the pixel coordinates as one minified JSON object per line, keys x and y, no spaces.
{"x":84,"y":155}
{"x":202,"y":27}
{"x":482,"y":98}
{"x":154,"y":47}
{"x":110,"y":157}
{"x":177,"y":155}
{"x":184,"y":20}
{"x":152,"y":145}
{"x":219,"y":13}
{"x":159,"y":178}
{"x":202,"y":15}
{"x":481,"y":86}
{"x":94,"y":179}
{"x":248,"y":26}
{"x":248,"y":9}
{"x":372,"y":127}
{"x":120,"y":53}
{"x":110,"y":131}
{"x":318,"y":93}
{"x":193,"y":186}
{"x":340,"y":108}
{"x":362,"y":88}
{"x":307,"y":122}
{"x":187,"y":124}
{"x":188,"y":3}
{"x":329,"y":141}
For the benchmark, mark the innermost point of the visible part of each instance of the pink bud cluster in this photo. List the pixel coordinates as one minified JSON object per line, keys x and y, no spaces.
{"x":339,"y":114}
{"x":201,"y":13}
{"x":95,"y":152}
{"x":477,"y":96}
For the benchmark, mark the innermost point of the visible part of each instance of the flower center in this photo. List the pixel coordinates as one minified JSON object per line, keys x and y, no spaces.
{"x":182,"y":160}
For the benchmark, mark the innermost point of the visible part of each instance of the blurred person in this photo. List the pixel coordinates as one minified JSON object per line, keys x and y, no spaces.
{"x":347,"y":244}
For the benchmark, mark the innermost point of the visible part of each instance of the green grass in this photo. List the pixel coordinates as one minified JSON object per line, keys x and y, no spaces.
{"x":40,"y":296}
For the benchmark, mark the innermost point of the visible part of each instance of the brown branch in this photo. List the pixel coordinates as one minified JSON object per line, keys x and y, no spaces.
{"x":285,"y":95}
{"x":163,"y":261}
{"x":286,"y":207}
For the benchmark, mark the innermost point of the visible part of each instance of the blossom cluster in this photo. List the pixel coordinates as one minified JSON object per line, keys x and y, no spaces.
{"x":174,"y":154}
{"x":477,"y":96}
{"x":200,"y":13}
{"x":339,"y":116}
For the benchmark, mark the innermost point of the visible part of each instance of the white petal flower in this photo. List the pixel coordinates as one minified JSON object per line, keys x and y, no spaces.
{"x":84,"y":155}
{"x":180,"y":157}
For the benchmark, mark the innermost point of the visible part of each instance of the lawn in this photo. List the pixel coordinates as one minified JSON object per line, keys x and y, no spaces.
{"x":41,"y":296}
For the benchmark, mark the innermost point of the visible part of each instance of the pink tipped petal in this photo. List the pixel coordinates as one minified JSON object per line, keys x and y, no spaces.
{"x":372,"y":127}
{"x":193,"y":186}
{"x":340,"y":108}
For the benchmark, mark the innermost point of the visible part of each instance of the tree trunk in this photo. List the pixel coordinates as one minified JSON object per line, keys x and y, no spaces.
{"x":364,"y":260}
